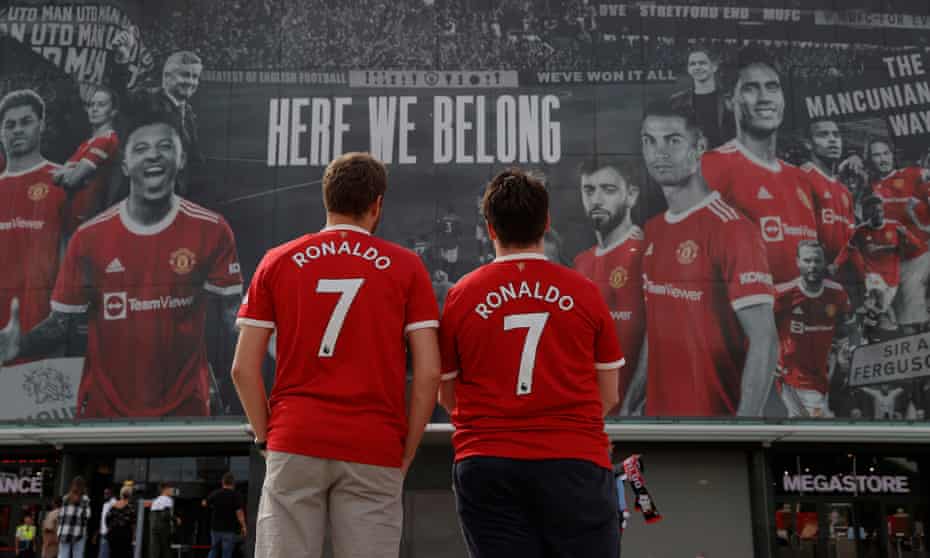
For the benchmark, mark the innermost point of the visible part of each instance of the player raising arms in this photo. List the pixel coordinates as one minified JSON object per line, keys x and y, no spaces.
{"x":31,"y":213}
{"x":876,"y":251}
{"x":609,"y":190}
{"x":770,"y":192}
{"x":530,"y":362}
{"x":808,"y":311}
{"x":142,"y":270}
{"x":904,"y":199}
{"x":88,"y":170}
{"x":836,"y":218}
{"x":710,"y":331}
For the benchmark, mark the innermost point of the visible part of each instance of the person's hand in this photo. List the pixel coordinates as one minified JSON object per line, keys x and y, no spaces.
{"x":832,"y":270}
{"x":11,"y":335}
{"x":405,"y":465}
{"x":853,"y":163}
{"x":122,"y":45}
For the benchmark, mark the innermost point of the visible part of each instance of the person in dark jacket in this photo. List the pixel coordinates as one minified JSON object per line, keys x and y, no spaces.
{"x":706,"y":99}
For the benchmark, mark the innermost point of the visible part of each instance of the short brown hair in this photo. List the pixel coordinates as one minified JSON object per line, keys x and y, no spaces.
{"x":229,"y":479}
{"x":516,"y":205}
{"x":352,"y":182}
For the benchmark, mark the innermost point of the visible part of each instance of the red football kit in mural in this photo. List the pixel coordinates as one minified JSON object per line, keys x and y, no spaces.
{"x":146,"y":289}
{"x":524,"y":339}
{"x":617,"y":272}
{"x":897,"y":189}
{"x":342,"y":301}
{"x":836,"y":218}
{"x":31,"y":217}
{"x":775,"y":196}
{"x":700,"y":267}
{"x":806,"y":324}
{"x":100,"y":152}
{"x":879,"y":250}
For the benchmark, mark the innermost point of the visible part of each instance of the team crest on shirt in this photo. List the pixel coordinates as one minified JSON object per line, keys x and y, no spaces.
{"x":687,"y":251}
{"x":182,"y":261}
{"x":618,"y":277}
{"x":897,"y":183}
{"x":830,"y":310}
{"x":804,"y":199}
{"x":889,"y":236}
{"x":521,"y":266}
{"x":38,"y":191}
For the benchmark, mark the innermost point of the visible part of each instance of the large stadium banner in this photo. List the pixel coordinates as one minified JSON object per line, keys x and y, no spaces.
{"x":801,"y":268}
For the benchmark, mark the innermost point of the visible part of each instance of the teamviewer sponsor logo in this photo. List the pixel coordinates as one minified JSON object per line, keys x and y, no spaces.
{"x":114,"y":306}
{"x":771,"y":229}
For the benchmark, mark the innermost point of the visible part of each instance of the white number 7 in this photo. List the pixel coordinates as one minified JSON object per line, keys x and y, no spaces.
{"x":535,"y":323}
{"x":347,"y":289}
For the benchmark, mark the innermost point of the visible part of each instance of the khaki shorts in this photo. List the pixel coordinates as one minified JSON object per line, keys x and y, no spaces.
{"x":910,"y":304}
{"x":303,"y":496}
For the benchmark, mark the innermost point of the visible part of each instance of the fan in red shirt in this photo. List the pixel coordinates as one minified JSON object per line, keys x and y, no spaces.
{"x":773,"y":194}
{"x":876,"y":250}
{"x":710,"y":330}
{"x":530,"y":362}
{"x":836,"y":218}
{"x":88,"y":170}
{"x":143,"y":271}
{"x":345,"y":305}
{"x":31,"y":214}
{"x":902,"y":193}
{"x":609,"y":190}
{"x":808,"y":311}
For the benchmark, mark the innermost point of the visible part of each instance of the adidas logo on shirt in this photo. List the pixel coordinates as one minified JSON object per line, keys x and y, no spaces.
{"x":764,"y":194}
{"x":798,"y":311}
{"x":115,"y":266}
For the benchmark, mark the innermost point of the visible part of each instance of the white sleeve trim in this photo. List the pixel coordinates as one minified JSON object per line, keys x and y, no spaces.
{"x":609,"y":365}
{"x":223,"y":291}
{"x":449,"y":376}
{"x":752,"y":300}
{"x":254,"y":323}
{"x":69,"y":308}
{"x":421,"y":325}
{"x":99,"y":152}
{"x":89,"y":162}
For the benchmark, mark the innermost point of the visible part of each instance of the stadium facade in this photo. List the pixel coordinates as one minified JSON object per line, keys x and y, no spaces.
{"x":811,"y":114}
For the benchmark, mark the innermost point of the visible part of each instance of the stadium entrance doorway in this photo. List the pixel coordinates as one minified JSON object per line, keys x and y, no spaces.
{"x":848,"y":505}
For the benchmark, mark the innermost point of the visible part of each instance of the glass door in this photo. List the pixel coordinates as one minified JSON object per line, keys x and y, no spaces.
{"x":797,"y":530}
{"x":906,"y":531}
{"x":840,"y":530}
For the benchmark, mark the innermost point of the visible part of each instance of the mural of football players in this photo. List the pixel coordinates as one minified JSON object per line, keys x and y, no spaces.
{"x":609,"y":190}
{"x":904,"y":199}
{"x":836,"y":218}
{"x":31,"y":212}
{"x":809,"y":312}
{"x":773,"y":194}
{"x":88,"y":170}
{"x":143,"y":271}
{"x":711,"y":341}
{"x":876,"y":250}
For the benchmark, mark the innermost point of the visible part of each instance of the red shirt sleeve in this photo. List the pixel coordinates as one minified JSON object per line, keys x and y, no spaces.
{"x":715,"y":170}
{"x":257,"y":307}
{"x":422,"y":310}
{"x":224,"y":277}
{"x":70,"y":293}
{"x":607,"y":352}
{"x":101,"y":150}
{"x":743,"y":265}
{"x":448,"y":347}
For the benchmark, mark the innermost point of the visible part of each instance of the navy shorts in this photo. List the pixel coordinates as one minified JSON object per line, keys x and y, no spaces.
{"x":508,"y":508}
